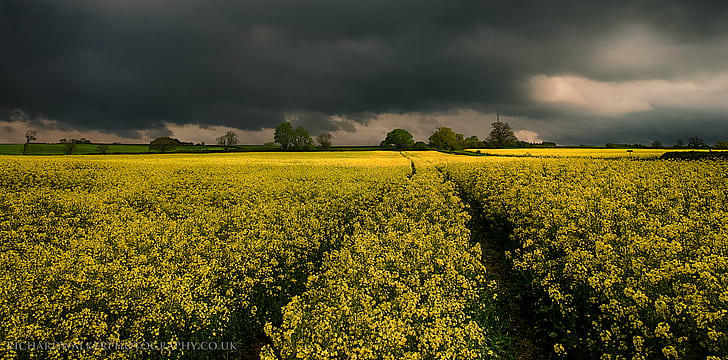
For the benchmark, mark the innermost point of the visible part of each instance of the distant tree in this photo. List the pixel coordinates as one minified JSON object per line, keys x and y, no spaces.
{"x":721,"y":144}
{"x":69,"y":146}
{"x":103,"y":148}
{"x":163,"y":144}
{"x":271,"y":145}
{"x":679,"y":144}
{"x":472,"y":142}
{"x":445,"y":138}
{"x":657,"y":144}
{"x":696,"y":142}
{"x":284,"y":135}
{"x":324,"y":140}
{"x":399,"y":138}
{"x":228,"y":140}
{"x":18,"y":115}
{"x":502,"y":135}
{"x":63,"y":141}
{"x":420,"y":145}
{"x":292,"y":139}
{"x":29,"y":136}
{"x":301,"y":139}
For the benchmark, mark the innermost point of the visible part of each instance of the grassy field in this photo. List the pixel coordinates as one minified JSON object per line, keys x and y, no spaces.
{"x":366,"y":254}
{"x":86,"y":149}
{"x":82,"y":149}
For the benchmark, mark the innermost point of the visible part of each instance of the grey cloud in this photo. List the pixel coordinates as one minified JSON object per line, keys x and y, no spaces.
{"x":128,"y":66}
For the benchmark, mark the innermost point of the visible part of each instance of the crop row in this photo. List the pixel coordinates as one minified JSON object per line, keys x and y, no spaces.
{"x":333,"y":256}
{"x":167,"y":249}
{"x":621,"y":258}
{"x":407,"y":284}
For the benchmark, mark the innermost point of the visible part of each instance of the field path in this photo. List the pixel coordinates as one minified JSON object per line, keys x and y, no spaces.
{"x":525,"y":341}
{"x":526,"y":344}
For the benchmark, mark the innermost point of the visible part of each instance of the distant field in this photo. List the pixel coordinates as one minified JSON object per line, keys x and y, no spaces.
{"x":579,"y":152}
{"x":83,"y":149}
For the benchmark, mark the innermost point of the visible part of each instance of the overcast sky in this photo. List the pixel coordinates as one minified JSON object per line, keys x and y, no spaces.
{"x":573,"y":72}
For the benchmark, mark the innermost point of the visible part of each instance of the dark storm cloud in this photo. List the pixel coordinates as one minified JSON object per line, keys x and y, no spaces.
{"x":125,"y":66}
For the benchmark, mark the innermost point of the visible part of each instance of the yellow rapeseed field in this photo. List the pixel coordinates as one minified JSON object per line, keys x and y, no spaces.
{"x":621,"y":258}
{"x":365,"y":255}
{"x":180,"y":248}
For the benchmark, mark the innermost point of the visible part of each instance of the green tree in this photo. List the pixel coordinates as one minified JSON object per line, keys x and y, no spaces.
{"x":657,"y":144}
{"x":472,"y":142}
{"x":102,"y":148}
{"x":679,"y":144}
{"x":324,"y":140}
{"x":696,"y":142}
{"x":301,"y":139}
{"x":420,"y":145}
{"x":284,"y":135}
{"x":502,"y":135}
{"x":398,"y":138}
{"x":163,"y":144}
{"x":721,"y":144}
{"x":292,"y":139}
{"x":445,"y":138}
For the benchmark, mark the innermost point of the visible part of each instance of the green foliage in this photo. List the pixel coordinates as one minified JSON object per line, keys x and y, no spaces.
{"x":446,"y":139}
{"x":472,"y":142}
{"x":721,"y":145}
{"x":420,"y":145}
{"x":502,"y":135}
{"x":398,"y":138}
{"x":163,"y":144}
{"x":292,"y":139}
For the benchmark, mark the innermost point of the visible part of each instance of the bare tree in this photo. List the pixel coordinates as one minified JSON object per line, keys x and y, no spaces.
{"x":29,"y":136}
{"x":324,"y":140}
{"x":228,"y":140}
{"x":696,"y":142}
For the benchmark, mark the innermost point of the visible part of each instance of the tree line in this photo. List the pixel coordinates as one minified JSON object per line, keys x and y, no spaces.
{"x":693,"y":143}
{"x":290,"y":138}
{"x":444,"y":138}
